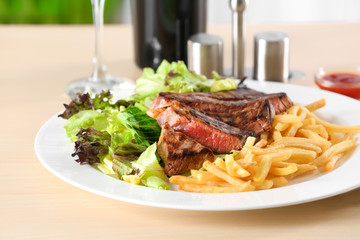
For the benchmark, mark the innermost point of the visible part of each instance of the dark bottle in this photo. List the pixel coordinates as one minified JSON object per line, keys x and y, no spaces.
{"x":162,"y":28}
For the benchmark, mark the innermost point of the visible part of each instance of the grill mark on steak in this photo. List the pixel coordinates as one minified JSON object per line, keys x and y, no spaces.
{"x":225,"y":97}
{"x":221,"y":126}
{"x":216,"y":135}
{"x":218,"y":104}
{"x":252,"y":114}
{"x":237,"y":94}
{"x":181,"y":153}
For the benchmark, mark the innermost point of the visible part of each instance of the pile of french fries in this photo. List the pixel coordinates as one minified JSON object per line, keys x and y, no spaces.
{"x":299,"y":143}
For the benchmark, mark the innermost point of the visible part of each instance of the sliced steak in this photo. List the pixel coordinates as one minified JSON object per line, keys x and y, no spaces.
{"x":253,"y":115}
{"x":248,"y":114}
{"x":233,"y":107}
{"x":181,"y":153}
{"x":210,"y":132}
{"x":280,"y":102}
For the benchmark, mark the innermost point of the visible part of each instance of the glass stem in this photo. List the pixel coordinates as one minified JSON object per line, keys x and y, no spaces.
{"x":99,"y":71}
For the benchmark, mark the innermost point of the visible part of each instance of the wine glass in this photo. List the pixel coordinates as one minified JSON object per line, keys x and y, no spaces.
{"x":99,"y":79}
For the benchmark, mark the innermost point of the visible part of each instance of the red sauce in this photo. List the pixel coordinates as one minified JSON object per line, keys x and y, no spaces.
{"x":344,"y":83}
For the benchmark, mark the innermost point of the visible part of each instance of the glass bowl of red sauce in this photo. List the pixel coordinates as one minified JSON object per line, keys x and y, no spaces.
{"x":344,"y":80}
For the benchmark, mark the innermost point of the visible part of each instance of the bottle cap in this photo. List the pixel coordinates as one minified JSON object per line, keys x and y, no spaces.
{"x":205,"y":54}
{"x":271,"y":56}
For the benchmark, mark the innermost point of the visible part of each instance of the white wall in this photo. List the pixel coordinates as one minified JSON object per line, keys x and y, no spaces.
{"x":287,"y":11}
{"x":278,"y":11}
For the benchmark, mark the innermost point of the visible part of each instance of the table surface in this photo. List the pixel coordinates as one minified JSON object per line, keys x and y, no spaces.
{"x":36,"y":64}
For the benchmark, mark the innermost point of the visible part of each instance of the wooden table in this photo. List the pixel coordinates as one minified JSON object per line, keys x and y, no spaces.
{"x":36,"y":64}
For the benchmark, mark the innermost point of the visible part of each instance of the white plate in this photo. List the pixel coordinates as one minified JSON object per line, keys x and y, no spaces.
{"x":54,"y":150}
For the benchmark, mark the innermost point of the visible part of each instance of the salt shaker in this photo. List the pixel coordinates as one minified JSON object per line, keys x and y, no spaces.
{"x":271,"y":56}
{"x":205,"y":54}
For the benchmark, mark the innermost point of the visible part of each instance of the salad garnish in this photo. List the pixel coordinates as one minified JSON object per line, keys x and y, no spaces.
{"x":117,"y":137}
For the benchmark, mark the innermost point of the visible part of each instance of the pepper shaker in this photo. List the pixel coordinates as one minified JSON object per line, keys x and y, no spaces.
{"x":238,"y":36}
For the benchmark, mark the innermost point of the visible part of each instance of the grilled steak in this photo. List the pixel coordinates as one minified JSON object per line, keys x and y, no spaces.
{"x":242,"y":108}
{"x":220,"y":101}
{"x":195,"y":124}
{"x":253,"y":115}
{"x":181,"y":153}
{"x":279,"y":101}
{"x":210,"y":132}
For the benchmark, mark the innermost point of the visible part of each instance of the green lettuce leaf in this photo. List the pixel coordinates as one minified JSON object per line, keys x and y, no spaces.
{"x":150,"y":84}
{"x":223,"y":85}
{"x":169,"y":77}
{"x":180,"y":79}
{"x":129,"y":150}
{"x":106,"y":166}
{"x":85,"y":119}
{"x":151,"y":173}
{"x":122,"y":167}
{"x":144,"y":129}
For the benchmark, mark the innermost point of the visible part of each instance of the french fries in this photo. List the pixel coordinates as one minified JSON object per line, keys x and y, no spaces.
{"x":222,"y":174}
{"x":316,"y":105}
{"x":283,"y":171}
{"x":235,"y":169}
{"x":299,"y":143}
{"x":279,"y":181}
{"x":263,"y":170}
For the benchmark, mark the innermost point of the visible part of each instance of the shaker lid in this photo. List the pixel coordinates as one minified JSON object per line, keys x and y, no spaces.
{"x":205,"y":54}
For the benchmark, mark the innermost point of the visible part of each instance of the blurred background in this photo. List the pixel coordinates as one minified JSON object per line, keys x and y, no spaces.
{"x":218,"y":12}
{"x":57,"y":11}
